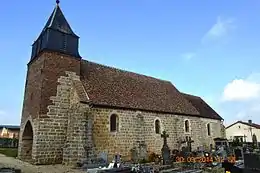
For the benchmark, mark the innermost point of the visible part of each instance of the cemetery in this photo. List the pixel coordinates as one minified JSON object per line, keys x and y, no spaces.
{"x":234,"y":157}
{"x":223,"y":157}
{"x":218,"y":159}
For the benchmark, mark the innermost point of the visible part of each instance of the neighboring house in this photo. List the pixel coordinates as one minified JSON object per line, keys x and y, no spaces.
{"x":243,"y":131}
{"x":8,"y":131}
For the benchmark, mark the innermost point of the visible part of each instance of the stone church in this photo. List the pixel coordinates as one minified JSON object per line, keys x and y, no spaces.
{"x":75,"y":109}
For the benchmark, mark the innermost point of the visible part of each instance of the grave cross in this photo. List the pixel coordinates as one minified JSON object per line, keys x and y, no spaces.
{"x":189,"y":142}
{"x":164,"y":135}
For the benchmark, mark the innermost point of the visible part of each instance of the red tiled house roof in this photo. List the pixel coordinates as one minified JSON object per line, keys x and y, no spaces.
{"x":107,"y":86}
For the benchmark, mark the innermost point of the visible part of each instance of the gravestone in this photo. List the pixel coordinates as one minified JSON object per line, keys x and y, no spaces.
{"x":165,"y":149}
{"x":143,"y":153}
{"x":238,"y":153}
{"x":134,"y":155}
{"x":103,"y":156}
{"x":140,"y":152}
{"x":118,"y":158}
{"x":189,"y":141}
{"x":95,"y":162}
{"x":116,"y":163}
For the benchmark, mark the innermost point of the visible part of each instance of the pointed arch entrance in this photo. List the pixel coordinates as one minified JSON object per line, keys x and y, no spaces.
{"x":27,"y":142}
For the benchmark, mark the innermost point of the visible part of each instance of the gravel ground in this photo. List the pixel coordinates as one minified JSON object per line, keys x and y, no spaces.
{"x":9,"y":162}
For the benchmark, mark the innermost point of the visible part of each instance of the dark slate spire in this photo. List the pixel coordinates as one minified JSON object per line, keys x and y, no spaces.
{"x":56,"y":35}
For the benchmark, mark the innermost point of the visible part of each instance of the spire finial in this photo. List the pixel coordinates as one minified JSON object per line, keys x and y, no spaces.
{"x":57,"y":2}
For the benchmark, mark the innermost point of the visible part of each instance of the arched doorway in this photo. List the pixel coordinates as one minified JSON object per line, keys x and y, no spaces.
{"x":27,"y":142}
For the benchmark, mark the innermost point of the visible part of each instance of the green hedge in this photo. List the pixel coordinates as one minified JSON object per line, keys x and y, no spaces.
{"x":8,"y":143}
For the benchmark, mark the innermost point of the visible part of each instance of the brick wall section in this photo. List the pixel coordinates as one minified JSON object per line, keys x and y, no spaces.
{"x":52,"y":130}
{"x":125,"y":139}
{"x":32,"y":94}
{"x":55,"y":65}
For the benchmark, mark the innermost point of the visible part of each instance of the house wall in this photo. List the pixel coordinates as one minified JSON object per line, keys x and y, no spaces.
{"x":8,"y":133}
{"x":242,"y":129}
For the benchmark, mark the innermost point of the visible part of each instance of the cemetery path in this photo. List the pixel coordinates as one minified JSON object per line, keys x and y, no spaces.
{"x":9,"y":162}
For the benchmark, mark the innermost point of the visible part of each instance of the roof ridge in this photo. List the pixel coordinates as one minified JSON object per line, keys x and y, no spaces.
{"x":245,"y":123}
{"x":249,"y":123}
{"x":191,"y":95}
{"x":126,"y":71}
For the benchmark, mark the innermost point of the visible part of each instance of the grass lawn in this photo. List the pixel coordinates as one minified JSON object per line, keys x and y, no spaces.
{"x":10,"y":152}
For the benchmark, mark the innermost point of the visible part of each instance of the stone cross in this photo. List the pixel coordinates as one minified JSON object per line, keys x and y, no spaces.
{"x":189,"y":142}
{"x":165,"y":149}
{"x":164,"y":135}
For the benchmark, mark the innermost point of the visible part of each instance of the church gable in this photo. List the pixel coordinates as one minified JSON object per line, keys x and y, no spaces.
{"x":107,"y":86}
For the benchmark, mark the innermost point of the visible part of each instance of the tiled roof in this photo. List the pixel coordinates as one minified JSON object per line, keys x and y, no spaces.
{"x":107,"y":86}
{"x":257,"y":126}
{"x":203,"y":108}
{"x":9,"y":127}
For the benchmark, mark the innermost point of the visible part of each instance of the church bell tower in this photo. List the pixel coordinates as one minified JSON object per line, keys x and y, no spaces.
{"x":54,"y":57}
{"x":57,"y":36}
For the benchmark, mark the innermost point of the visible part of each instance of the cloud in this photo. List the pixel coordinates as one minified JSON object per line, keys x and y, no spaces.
{"x":220,"y":29}
{"x":188,"y":55}
{"x":241,"y":90}
{"x":241,"y":99}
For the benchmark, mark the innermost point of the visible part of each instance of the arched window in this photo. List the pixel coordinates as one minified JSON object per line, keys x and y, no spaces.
{"x":113,"y":123}
{"x":208,"y":128}
{"x":187,"y":126}
{"x":157,"y":127}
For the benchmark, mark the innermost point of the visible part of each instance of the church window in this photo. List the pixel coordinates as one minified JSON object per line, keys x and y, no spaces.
{"x":157,"y":127}
{"x":113,"y":123}
{"x":208,"y":128}
{"x":187,"y":126}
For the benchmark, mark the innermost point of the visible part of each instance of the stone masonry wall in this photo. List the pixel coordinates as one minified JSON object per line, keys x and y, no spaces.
{"x":124,"y":139}
{"x":52,"y":130}
{"x":32,"y":99}
{"x":47,"y":104}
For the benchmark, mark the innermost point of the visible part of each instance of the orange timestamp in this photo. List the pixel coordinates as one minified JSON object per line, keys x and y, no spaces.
{"x":195,"y":159}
